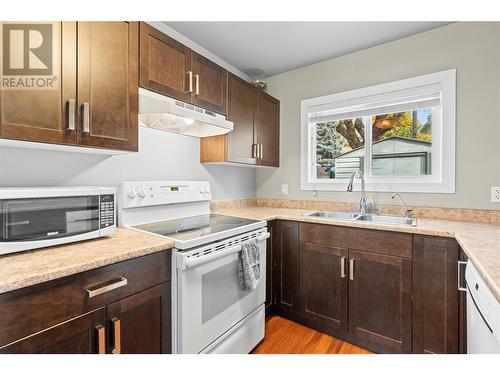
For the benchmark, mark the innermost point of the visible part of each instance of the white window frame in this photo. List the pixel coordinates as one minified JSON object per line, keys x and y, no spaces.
{"x":442,"y":179}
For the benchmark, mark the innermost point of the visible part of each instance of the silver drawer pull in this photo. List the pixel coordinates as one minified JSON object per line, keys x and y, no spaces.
{"x":113,"y":284}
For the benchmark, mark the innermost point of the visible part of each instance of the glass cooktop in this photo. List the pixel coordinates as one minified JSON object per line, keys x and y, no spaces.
{"x":194,"y":227}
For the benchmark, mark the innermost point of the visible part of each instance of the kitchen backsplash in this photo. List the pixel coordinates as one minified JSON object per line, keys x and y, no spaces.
{"x":456,"y":214}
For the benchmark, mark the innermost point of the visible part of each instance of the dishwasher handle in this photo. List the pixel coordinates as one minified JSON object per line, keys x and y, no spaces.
{"x":459,"y":276}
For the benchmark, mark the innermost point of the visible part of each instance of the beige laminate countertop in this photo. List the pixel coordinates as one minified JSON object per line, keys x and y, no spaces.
{"x":481,"y":242}
{"x":20,"y":270}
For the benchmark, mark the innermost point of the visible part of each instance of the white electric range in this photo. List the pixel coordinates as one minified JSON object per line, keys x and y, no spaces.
{"x":210,"y":312}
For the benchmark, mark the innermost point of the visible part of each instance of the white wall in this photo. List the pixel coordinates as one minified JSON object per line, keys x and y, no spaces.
{"x":161,"y":155}
{"x":472,"y":48}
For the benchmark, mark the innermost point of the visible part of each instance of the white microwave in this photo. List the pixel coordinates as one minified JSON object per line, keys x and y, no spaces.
{"x":31,"y":218}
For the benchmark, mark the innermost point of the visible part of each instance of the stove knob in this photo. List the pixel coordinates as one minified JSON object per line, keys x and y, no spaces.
{"x":140,"y":192}
{"x":131,"y":193}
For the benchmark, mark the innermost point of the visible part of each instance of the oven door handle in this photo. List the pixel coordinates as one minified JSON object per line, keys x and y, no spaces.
{"x":194,"y":262}
{"x":263,"y":237}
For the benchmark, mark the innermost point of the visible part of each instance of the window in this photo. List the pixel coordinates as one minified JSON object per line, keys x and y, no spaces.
{"x":400,"y":135}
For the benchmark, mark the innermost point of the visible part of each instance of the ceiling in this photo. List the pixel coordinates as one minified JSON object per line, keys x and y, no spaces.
{"x":276,"y":47}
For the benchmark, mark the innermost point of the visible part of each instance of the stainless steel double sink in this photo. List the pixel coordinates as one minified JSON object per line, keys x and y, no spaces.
{"x":358,"y":216}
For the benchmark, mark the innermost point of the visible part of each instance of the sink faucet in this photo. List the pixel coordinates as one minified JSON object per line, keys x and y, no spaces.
{"x":408,"y":212}
{"x":362,"y":202}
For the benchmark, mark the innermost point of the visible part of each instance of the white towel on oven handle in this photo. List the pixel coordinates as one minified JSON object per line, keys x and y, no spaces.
{"x":249,"y":265}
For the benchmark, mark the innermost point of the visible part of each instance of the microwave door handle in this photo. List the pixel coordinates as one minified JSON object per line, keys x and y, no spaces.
{"x":194,"y":262}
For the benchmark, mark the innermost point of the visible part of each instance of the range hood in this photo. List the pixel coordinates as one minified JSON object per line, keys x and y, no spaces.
{"x":164,"y":113}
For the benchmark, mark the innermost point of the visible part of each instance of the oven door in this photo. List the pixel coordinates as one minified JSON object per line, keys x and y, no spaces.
{"x":209,"y":298}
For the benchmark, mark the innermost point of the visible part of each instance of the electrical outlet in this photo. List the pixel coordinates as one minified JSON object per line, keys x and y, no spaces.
{"x":495,"y":194}
{"x":284,"y":189}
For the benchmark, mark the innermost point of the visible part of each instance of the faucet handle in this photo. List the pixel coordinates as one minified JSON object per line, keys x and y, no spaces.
{"x":409,"y":213}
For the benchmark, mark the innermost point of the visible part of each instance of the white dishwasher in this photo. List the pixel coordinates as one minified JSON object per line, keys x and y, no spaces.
{"x":483,"y":315}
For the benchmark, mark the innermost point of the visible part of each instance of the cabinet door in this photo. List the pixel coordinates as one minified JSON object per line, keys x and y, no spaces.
{"x":45,"y":115}
{"x":435,"y":295}
{"x":165,"y":64}
{"x":323,"y":285}
{"x":85,"y":334}
{"x":270,"y":264}
{"x":462,"y":319}
{"x":210,"y":84}
{"x":287,"y":267}
{"x":380,"y":301}
{"x":267,"y":128}
{"x":140,"y":324}
{"x":108,"y":84}
{"x":241,"y":110}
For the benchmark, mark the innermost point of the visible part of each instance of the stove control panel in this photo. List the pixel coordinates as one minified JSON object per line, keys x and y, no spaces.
{"x":156,"y":193}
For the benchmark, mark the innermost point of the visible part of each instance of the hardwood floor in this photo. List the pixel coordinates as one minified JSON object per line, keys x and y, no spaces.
{"x":286,"y":337}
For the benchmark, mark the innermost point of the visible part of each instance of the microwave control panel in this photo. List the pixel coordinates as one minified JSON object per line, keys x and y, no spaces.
{"x":107,"y":210}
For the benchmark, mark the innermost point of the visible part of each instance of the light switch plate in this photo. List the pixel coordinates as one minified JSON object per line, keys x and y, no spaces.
{"x":284,"y":189}
{"x":495,"y":194}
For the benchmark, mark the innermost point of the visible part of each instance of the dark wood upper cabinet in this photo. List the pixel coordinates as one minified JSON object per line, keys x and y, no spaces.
{"x":45,"y":115}
{"x":108,"y":84}
{"x":210,"y":84}
{"x":79,"y":335}
{"x":242,"y":99}
{"x":435,"y":295}
{"x":255,"y":136}
{"x":140,"y":324}
{"x":267,"y":129}
{"x":323,"y":285}
{"x":380,"y":301}
{"x":287,"y":266}
{"x":95,"y":100}
{"x":164,"y":64}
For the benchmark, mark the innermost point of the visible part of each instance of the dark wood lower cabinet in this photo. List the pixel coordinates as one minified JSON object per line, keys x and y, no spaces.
{"x":323,"y":285}
{"x":140,"y":324}
{"x":399,"y":293}
{"x":270,"y":266}
{"x":61,"y":316}
{"x":287,"y":266}
{"x":435,"y":295}
{"x":380,"y":301}
{"x":462,"y":308}
{"x":79,"y":335}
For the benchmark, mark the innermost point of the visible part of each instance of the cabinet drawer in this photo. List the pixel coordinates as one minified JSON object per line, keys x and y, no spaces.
{"x":376,"y":241}
{"x":28,"y":310}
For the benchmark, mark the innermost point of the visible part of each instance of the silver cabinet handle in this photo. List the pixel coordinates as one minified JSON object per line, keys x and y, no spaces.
{"x":254,"y":151}
{"x":114,"y":284}
{"x":197,"y":84}
{"x":351,"y":269}
{"x":101,"y":339}
{"x":190,"y":82}
{"x":342,"y":267}
{"x":459,"y":281}
{"x":261,"y":151}
{"x":117,"y":332}
{"x":86,"y":117}
{"x":71,"y":114}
